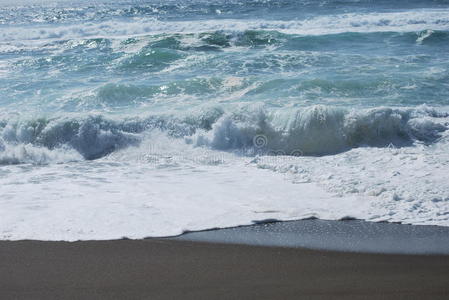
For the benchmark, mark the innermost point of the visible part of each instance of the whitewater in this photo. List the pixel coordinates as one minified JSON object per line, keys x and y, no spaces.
{"x":152,"y":118}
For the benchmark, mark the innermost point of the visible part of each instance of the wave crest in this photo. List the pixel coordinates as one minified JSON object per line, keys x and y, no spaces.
{"x":405,"y":21}
{"x":314,"y":130}
{"x":321,"y":130}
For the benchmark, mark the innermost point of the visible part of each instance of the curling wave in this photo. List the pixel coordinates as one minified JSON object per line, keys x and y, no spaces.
{"x":314,"y":130}
{"x":321,"y":130}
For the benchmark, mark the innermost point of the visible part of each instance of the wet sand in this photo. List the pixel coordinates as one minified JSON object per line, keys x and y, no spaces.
{"x":174,"y":269}
{"x":347,"y":235}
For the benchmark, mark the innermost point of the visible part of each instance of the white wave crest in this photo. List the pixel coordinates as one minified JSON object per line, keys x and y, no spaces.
{"x":30,"y":154}
{"x":314,"y":130}
{"x":405,"y":21}
{"x":320,"y":130}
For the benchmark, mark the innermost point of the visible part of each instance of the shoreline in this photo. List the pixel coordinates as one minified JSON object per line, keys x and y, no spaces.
{"x":345,"y":235}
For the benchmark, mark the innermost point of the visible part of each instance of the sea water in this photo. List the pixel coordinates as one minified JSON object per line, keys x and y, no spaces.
{"x":150,"y":118}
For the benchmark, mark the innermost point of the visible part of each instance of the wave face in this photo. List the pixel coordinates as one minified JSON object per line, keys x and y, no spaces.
{"x":348,"y":98}
{"x":316,"y":130}
{"x":321,"y":130}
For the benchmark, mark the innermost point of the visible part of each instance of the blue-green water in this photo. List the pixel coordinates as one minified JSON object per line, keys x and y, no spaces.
{"x":203,"y":58}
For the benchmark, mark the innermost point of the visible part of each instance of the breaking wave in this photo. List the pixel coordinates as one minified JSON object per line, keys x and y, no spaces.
{"x":321,"y":130}
{"x":314,"y":130}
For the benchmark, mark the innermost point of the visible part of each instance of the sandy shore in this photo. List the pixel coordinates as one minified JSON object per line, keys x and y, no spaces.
{"x":173,"y":269}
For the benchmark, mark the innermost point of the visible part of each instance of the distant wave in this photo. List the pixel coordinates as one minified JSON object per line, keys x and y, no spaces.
{"x":408,"y":21}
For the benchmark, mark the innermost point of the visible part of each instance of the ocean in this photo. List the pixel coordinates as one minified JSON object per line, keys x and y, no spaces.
{"x":152,"y":118}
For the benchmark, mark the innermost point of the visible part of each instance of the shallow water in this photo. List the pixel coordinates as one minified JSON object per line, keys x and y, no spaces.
{"x":348,"y":235}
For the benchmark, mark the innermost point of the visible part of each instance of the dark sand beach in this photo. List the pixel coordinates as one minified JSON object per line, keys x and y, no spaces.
{"x":181,"y":269}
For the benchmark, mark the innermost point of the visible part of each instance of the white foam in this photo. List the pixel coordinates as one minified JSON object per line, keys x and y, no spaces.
{"x":111,"y":199}
{"x":30,"y":154}
{"x":408,"y":185}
